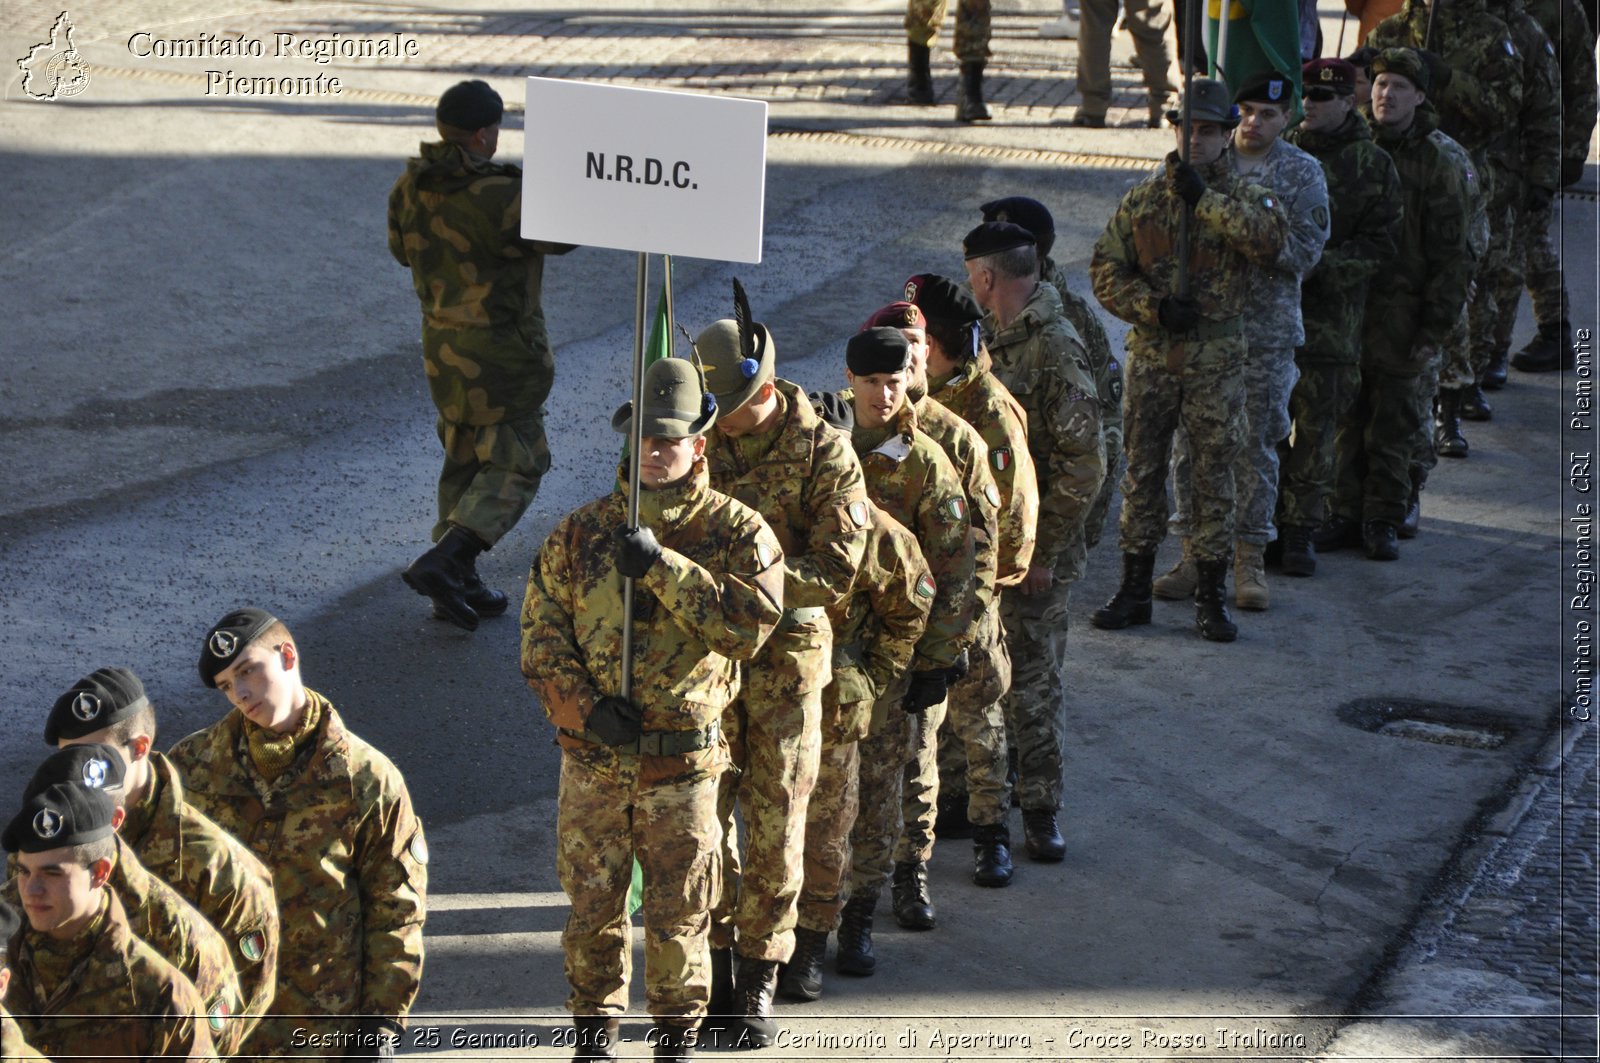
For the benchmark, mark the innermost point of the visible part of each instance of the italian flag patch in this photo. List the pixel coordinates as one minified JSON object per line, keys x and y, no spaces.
{"x":1000,"y":458}
{"x":957,"y":508}
{"x":926,"y":588}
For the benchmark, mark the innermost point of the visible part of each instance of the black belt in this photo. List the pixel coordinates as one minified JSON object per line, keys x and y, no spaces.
{"x":658,"y":743}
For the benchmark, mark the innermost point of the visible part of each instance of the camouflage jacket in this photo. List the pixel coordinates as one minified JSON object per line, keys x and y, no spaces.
{"x":1567,"y":27}
{"x":1085,"y":318}
{"x":968,"y":452}
{"x":13,"y":1046}
{"x":910,"y":478}
{"x":1421,"y":295}
{"x":349,"y":866}
{"x":120,"y":1001}
{"x":876,"y":627}
{"x":1476,"y":202}
{"x":179,"y":934}
{"x":807,"y":486}
{"x":973,"y":393}
{"x":1273,"y":322}
{"x":713,"y":598}
{"x":211,"y":870}
{"x":1530,"y":152}
{"x":456,"y":220}
{"x":1484,"y":93}
{"x":1364,"y":204}
{"x":1040,"y":360}
{"x":1237,"y":225}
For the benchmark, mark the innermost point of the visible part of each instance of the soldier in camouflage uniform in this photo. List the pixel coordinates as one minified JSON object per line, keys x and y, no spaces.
{"x":156,"y":913}
{"x":12,"y":1044}
{"x":1272,"y":330}
{"x":1409,"y":313}
{"x":83,"y":985}
{"x":1040,"y":360}
{"x":331,"y":817}
{"x":772,"y":452}
{"x":639,"y":774}
{"x":455,"y":219}
{"x":1364,"y":208}
{"x":175,"y":841}
{"x":923,"y":19}
{"x":910,"y":478}
{"x":1186,"y":352}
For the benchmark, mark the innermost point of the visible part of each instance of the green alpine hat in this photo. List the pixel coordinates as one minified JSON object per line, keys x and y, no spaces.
{"x":731,"y":376}
{"x":1209,"y":101}
{"x":676,"y":402}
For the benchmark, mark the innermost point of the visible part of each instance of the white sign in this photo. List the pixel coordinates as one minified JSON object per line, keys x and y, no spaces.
{"x":671,"y":173}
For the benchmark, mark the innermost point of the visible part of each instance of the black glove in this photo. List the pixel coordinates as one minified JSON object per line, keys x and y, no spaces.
{"x":1538,"y":198}
{"x":958,"y":671}
{"x":637,"y":550}
{"x":1571,"y":171}
{"x":833,"y":409}
{"x":1187,"y":183}
{"x":1439,"y":72}
{"x":1178,"y":314}
{"x":375,"y":1039}
{"x":617,"y":721}
{"x":927,"y":690}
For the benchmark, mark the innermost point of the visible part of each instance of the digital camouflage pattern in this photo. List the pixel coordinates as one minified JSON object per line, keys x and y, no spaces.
{"x":1237,"y":226}
{"x":1566,"y":24}
{"x":1040,"y":360}
{"x":882,"y":757}
{"x":349,"y":866}
{"x":969,"y":455}
{"x":112,"y":973}
{"x":924,"y":17}
{"x":971,"y":756}
{"x":1035,"y":626}
{"x":829,"y":819}
{"x":224,"y":881}
{"x":1457,"y":365}
{"x":974,"y":394}
{"x":1322,"y":397}
{"x":13,"y":1046}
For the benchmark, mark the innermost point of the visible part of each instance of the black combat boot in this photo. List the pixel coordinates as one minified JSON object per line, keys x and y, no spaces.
{"x":991,"y":855}
{"x":1494,"y":375}
{"x":1412,"y":521}
{"x":952,"y":821}
{"x":1337,"y":533}
{"x":1380,"y":537}
{"x":1448,"y":442}
{"x":596,"y":1037}
{"x":919,"y":81}
{"x":1299,"y":557}
{"x":441,"y":574}
{"x":1550,"y":350}
{"x":1131,"y":604}
{"x":485,"y":601}
{"x":1474,"y":406}
{"x":1041,"y":837}
{"x":854,"y":955}
{"x":674,"y":1041}
{"x":913,"y":907}
{"x":720,"y":1010}
{"x":1211,"y":602}
{"x":969,"y":96}
{"x":753,"y":987}
{"x":802,"y":975}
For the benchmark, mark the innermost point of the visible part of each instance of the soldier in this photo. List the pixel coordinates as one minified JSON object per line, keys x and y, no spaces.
{"x":923,"y":19}
{"x":77,"y":963}
{"x":1039,"y":358}
{"x":1085,"y":318}
{"x":639,"y":775}
{"x":1409,"y":313}
{"x":908,"y":477}
{"x":157,"y":915}
{"x":770,"y":450}
{"x":1149,"y":23}
{"x":174,"y":840}
{"x":973,"y":764}
{"x":1272,"y":330}
{"x":1364,"y":208}
{"x":455,"y":219}
{"x":331,"y":817}
{"x":1186,"y":351}
{"x":875,"y":633}
{"x":12,"y":1044}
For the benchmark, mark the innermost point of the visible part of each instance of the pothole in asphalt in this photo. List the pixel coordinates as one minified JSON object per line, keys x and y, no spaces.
{"x":1429,"y":721}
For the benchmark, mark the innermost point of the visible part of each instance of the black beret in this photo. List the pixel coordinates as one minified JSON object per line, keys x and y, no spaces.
{"x":10,"y":921}
{"x":1266,"y":86}
{"x":942,"y":299}
{"x":1362,"y":57}
{"x":470,"y":105}
{"x":60,"y":816}
{"x":95,"y":702}
{"x":877,"y":350}
{"x":993,"y":237}
{"x":1028,"y":213}
{"x":94,"y":765}
{"x":833,"y":409}
{"x":227,"y":639}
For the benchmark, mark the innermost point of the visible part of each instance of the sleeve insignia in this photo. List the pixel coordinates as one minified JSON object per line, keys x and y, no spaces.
{"x":252,"y":945}
{"x":764,"y":555}
{"x":217,"y":1017}
{"x":926,"y":588}
{"x":1000,"y":458}
{"x":1549,"y":49}
{"x":1268,"y":202}
{"x":419,"y":849}
{"x":992,"y":494}
{"x":956,"y":508}
{"x":858,"y":513}
{"x":1319,"y":214}
{"x":1510,"y":48}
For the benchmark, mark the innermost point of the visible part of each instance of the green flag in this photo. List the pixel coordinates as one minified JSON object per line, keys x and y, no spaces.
{"x":1262,"y":35}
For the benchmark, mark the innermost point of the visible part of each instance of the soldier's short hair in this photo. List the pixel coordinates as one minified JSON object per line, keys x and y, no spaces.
{"x":90,"y":853}
{"x":142,"y":722}
{"x":951,"y":337}
{"x":454,"y":134}
{"x":1015,"y":263}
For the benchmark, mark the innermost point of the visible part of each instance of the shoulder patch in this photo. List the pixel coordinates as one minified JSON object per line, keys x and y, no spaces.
{"x":764,"y":555}
{"x":252,"y":945}
{"x":955,"y":508}
{"x":1549,"y":49}
{"x":926,"y":588}
{"x":1268,"y":201}
{"x":419,"y":849}
{"x":217,"y":1016}
{"x":858,"y":512}
{"x":992,"y":494}
{"x":1319,"y":214}
{"x":1511,"y":49}
{"x":1000,"y":458}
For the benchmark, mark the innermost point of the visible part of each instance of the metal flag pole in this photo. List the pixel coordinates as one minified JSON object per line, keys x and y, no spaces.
{"x":1343,"y":22}
{"x":635,"y":445}
{"x":1192,"y":13}
{"x":666,"y":286}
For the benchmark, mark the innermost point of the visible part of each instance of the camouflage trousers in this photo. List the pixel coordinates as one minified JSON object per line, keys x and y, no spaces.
{"x":775,"y":744}
{"x":830,"y":817}
{"x":1035,"y":710}
{"x":1378,"y":442}
{"x":1483,"y":311}
{"x":972,"y":742}
{"x":604,"y":820}
{"x":1535,"y":251}
{"x":491,"y":472}
{"x":884,"y":754}
{"x":1320,"y":400}
{"x":1457,"y":362}
{"x":1149,"y":23}
{"x":1206,"y":397}
{"x":1094,"y":525}
{"x":1269,"y":379}
{"x":924,"y":17}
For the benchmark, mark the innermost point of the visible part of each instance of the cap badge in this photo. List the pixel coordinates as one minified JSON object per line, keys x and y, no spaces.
{"x":911,"y":317}
{"x":1274,"y":90}
{"x":223,"y":643}
{"x":94,"y":773}
{"x":47,"y":823}
{"x":1327,"y":73}
{"x":911,"y":291}
{"x":86,"y":706}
